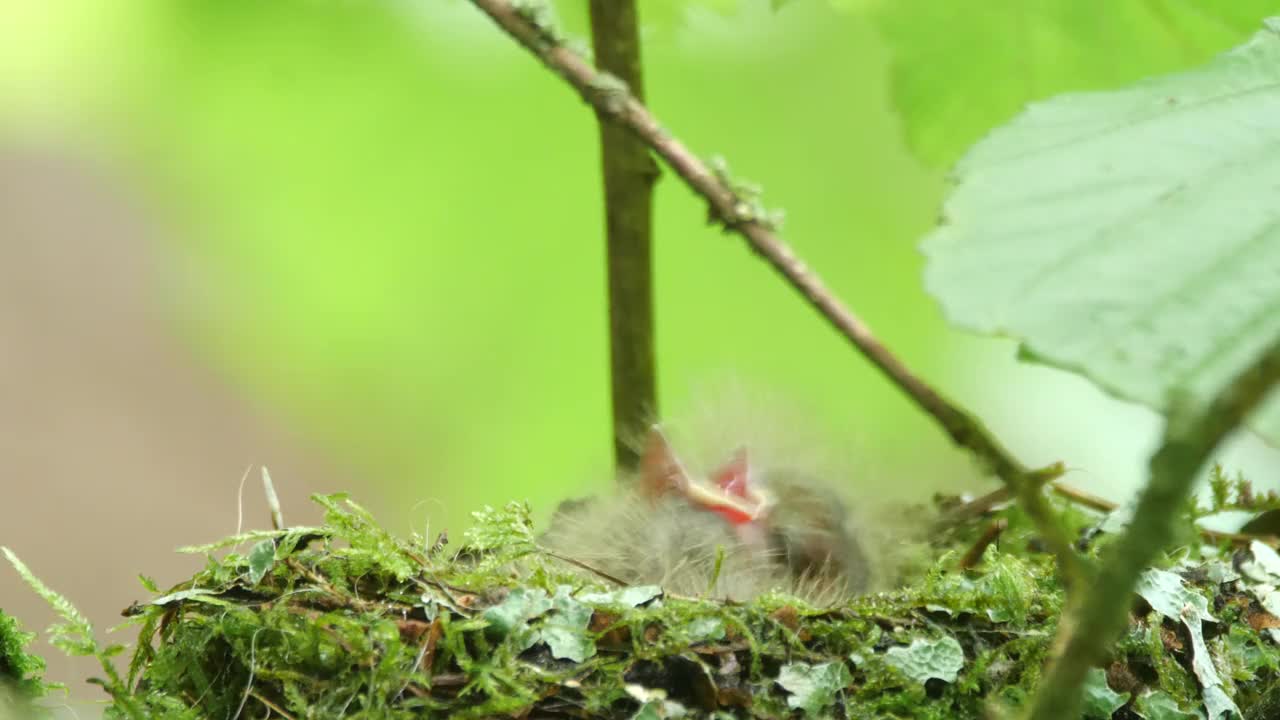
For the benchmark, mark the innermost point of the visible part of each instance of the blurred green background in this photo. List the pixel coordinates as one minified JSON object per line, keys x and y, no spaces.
{"x":389,"y":227}
{"x":379,"y":224}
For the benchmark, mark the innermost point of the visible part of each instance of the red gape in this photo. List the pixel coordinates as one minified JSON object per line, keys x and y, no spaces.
{"x":766,"y":523}
{"x":734,"y":478}
{"x":730,"y":494}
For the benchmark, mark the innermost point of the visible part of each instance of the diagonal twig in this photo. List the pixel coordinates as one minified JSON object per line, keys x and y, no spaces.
{"x":611,"y":99}
{"x":982,"y":505}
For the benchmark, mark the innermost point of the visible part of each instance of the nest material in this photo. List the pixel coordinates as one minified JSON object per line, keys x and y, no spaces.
{"x":346,"y":621}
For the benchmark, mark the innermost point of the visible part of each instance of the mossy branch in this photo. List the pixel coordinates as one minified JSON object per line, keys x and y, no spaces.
{"x":1193,"y":431}
{"x":629,"y":175}
{"x":614,"y":101}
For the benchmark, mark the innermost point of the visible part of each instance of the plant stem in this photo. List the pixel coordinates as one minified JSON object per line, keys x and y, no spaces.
{"x":1192,"y":433}
{"x":626,"y":110}
{"x":629,"y":175}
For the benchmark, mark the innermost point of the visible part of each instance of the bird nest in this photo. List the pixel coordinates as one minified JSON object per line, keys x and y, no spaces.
{"x":346,"y":620}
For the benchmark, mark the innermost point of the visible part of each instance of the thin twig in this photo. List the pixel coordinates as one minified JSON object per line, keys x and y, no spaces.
{"x":584,"y":566}
{"x":1080,"y":497}
{"x":1103,"y":505}
{"x":982,"y":505}
{"x":1192,"y":433}
{"x":278,"y":710}
{"x":979,"y":548}
{"x":610,"y":100}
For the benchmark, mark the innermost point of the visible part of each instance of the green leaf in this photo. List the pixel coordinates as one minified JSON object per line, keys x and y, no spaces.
{"x":1262,"y":564}
{"x":813,"y":688}
{"x":1216,"y":700}
{"x":565,"y":631}
{"x":567,"y":643}
{"x":1130,"y":236}
{"x":1100,"y":701}
{"x":959,"y":69}
{"x":923,"y":659}
{"x":705,"y":629}
{"x":631,"y":596}
{"x":1217,"y":703}
{"x":1169,"y":596}
{"x":651,"y":710}
{"x":520,"y":606}
{"x":1160,"y":705}
{"x":261,"y":558}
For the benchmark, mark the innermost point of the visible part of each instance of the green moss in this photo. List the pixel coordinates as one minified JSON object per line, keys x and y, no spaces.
{"x":21,"y":673}
{"x":346,"y":620}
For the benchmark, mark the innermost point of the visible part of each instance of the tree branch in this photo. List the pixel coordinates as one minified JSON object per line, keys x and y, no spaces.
{"x":612,"y":99}
{"x":1191,"y":434}
{"x":629,"y":175}
{"x":982,"y":505}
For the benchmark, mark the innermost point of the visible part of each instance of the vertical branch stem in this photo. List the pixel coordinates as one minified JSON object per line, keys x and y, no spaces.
{"x":629,"y":174}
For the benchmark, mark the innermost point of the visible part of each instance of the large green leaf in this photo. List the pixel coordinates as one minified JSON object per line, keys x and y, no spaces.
{"x":961,"y":68}
{"x":1131,"y":236}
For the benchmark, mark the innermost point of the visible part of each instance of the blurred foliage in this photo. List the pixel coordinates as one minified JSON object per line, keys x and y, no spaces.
{"x":393,"y":230}
{"x":962,"y":68}
{"x":386,"y":221}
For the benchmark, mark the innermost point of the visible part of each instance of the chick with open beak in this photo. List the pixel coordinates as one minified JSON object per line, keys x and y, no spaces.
{"x":736,"y":533}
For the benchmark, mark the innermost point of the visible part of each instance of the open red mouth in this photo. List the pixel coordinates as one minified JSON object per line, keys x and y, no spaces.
{"x":731,"y":492}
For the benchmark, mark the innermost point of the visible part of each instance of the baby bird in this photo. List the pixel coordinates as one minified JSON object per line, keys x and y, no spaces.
{"x":733,"y":534}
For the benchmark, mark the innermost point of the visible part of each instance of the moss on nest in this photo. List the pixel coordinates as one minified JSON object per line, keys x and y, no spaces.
{"x":345,"y":620}
{"x":21,"y":672}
